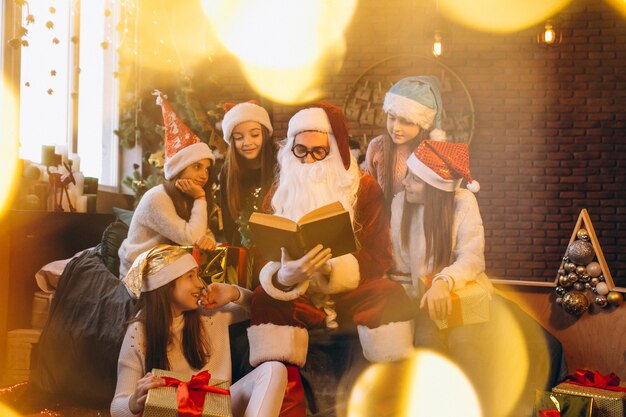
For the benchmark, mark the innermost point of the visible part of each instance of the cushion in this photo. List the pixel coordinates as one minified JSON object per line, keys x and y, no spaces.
{"x":112,"y":238}
{"x":124,"y":215}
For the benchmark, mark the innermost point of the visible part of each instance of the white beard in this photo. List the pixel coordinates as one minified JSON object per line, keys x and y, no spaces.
{"x":305,"y":187}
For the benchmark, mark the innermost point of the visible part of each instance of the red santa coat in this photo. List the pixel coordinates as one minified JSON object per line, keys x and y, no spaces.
{"x":356,"y":292}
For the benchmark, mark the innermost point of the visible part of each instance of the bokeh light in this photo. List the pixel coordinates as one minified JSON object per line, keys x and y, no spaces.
{"x":283,"y":46}
{"x":619,"y":5}
{"x":427,"y":384}
{"x":9,"y":147}
{"x":7,"y":412}
{"x":498,"y":15}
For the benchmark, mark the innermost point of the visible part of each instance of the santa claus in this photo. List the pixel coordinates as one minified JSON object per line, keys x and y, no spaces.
{"x":317,"y":168}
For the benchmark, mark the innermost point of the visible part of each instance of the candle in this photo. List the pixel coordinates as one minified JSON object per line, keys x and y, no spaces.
{"x":75,"y":159}
{"x":91,"y":185}
{"x":81,"y":204}
{"x":48,"y":158}
{"x":91,"y":203}
{"x":79,"y":188}
{"x":61,"y":150}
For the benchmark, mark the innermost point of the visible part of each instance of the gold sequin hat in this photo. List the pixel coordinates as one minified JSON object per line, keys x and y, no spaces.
{"x":156,"y":267}
{"x":443,"y":165}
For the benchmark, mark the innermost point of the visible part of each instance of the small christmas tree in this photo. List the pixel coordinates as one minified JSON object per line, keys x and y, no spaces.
{"x":583,"y":270}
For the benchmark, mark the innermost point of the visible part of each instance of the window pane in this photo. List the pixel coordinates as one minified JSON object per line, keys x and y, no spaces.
{"x":97,"y":106}
{"x":45,"y":79}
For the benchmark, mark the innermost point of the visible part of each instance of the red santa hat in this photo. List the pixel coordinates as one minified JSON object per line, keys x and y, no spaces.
{"x":327,"y":118}
{"x":249,"y":111}
{"x":443,"y":165}
{"x":182,"y":146}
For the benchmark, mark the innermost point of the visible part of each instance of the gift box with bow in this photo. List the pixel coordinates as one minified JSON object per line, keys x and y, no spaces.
{"x":549,"y":404}
{"x":188,"y":395}
{"x":608,"y":391}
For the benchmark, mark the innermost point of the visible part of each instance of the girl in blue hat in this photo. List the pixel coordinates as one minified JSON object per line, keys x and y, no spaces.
{"x":414,"y":113}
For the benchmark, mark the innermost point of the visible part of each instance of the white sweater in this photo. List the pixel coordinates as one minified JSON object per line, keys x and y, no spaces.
{"x":155,"y":221}
{"x":468,"y":242}
{"x":131,"y":363}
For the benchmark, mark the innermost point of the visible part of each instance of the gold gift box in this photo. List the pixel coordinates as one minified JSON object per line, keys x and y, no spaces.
{"x":470,"y":305}
{"x":607,"y":403}
{"x":567,"y":405}
{"x":161,"y":402}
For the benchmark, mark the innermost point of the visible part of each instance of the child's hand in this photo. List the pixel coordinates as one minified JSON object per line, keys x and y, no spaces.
{"x":438,"y":299}
{"x":137,"y":401}
{"x":206,"y":242}
{"x":293,"y":272}
{"x":218,"y":295}
{"x":190,"y":188}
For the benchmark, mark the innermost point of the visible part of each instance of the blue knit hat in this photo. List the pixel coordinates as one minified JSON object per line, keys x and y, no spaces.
{"x":416,"y":99}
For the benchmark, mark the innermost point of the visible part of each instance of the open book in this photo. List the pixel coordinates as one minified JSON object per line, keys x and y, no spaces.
{"x":329,"y":225}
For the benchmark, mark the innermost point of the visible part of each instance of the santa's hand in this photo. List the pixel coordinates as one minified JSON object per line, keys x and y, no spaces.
{"x":190,"y":188}
{"x":218,"y":295}
{"x":438,"y":299}
{"x":206,"y":242}
{"x":293,"y":272}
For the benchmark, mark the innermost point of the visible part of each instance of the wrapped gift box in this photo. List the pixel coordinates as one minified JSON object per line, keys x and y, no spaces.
{"x":161,"y":402}
{"x":41,"y":307}
{"x":607,"y":403}
{"x":550,"y":404}
{"x":21,"y":344}
{"x":470,"y":305}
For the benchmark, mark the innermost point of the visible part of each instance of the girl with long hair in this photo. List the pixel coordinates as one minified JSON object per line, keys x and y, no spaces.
{"x":414,"y":113}
{"x":249,"y":168}
{"x":177,"y":211}
{"x":182,"y":326}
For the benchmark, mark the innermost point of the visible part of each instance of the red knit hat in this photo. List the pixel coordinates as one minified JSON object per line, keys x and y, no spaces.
{"x":182,"y":146}
{"x":443,"y":165}
{"x":323,"y":117}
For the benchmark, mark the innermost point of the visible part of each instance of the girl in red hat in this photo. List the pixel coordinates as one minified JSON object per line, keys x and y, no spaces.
{"x":176,"y":211}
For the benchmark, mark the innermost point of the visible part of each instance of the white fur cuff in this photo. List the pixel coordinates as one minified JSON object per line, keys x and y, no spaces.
{"x":271,"y":342}
{"x":265,"y":277}
{"x":386,"y":343}
{"x":344,"y":275}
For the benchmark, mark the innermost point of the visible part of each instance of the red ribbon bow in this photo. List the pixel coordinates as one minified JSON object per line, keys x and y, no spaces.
{"x":190,"y":395}
{"x":588,"y":378}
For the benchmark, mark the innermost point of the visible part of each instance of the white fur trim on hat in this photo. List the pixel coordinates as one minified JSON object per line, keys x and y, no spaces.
{"x":244,"y":112}
{"x":265,"y":277}
{"x":410,"y":110}
{"x":344,"y":275}
{"x":429,"y":176}
{"x":272,"y":342}
{"x":185,"y":157}
{"x":438,"y":135}
{"x":388,"y":342}
{"x":313,"y":118}
{"x":169,"y":273}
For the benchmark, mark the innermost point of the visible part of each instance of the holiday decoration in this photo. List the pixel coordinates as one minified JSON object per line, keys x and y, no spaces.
{"x":575,"y":303}
{"x":584,"y":268}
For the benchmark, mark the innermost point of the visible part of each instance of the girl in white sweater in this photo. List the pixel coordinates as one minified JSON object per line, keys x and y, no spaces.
{"x":172,"y":332}
{"x":177,"y":211}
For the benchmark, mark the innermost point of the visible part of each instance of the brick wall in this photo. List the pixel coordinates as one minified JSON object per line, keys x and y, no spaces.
{"x":550,"y":133}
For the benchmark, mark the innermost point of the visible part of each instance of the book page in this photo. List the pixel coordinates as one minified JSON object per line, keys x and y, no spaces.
{"x":323,"y":212}
{"x":271,"y":220}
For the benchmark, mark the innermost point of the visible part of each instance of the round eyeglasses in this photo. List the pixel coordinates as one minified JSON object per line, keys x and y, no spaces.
{"x":318,"y":152}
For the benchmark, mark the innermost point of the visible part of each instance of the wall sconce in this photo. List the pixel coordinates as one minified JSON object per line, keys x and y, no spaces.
{"x":438,"y":45}
{"x":550,"y":35}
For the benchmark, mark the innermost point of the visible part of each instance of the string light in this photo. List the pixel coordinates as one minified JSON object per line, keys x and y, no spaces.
{"x":549,"y":35}
{"x":437,"y":45}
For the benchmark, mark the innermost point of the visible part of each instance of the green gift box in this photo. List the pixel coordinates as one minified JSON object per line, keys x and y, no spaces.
{"x":162,"y":401}
{"x":608,"y":403}
{"x":566,"y":405}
